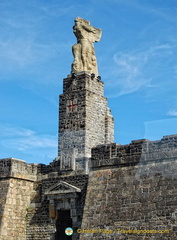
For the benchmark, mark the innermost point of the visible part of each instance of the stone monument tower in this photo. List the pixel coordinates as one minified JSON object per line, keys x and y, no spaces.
{"x":131,"y":191}
{"x":84,"y":118}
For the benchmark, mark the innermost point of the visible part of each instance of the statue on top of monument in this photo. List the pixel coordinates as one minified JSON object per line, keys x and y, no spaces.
{"x":83,"y":51}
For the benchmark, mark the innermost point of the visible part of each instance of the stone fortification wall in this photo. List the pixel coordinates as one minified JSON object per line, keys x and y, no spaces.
{"x":16,"y":185}
{"x":137,"y":152}
{"x":15,"y":168}
{"x":132,"y":191}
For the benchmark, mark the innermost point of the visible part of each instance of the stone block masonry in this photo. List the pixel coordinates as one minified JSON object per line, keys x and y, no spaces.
{"x":137,"y":152}
{"x":24,"y":205}
{"x":103,"y":190}
{"x":16,"y":184}
{"x":132,"y":187}
{"x":84,"y":120}
{"x":45,"y":204}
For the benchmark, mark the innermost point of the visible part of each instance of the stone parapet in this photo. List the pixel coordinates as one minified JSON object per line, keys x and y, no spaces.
{"x":81,"y":81}
{"x":15,"y":168}
{"x":137,"y":152}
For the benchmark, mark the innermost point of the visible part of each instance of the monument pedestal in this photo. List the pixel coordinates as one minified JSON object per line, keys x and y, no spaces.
{"x":84,"y":120}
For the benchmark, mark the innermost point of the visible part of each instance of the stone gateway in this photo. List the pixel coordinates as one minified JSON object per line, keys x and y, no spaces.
{"x":95,"y":188}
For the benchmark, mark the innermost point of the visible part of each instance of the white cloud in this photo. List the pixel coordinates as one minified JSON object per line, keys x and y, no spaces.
{"x":22,"y":139}
{"x":9,"y":131}
{"x":151,"y":8}
{"x":172,"y":113}
{"x":22,"y":144}
{"x":136,"y":70}
{"x":25,"y":37}
{"x":129,"y":72}
{"x":57,"y":10}
{"x":22,"y":52}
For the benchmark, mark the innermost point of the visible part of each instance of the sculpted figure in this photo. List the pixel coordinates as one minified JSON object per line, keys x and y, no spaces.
{"x":83,"y":51}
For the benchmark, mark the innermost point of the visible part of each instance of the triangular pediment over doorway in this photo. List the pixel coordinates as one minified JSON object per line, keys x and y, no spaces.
{"x":62,"y":188}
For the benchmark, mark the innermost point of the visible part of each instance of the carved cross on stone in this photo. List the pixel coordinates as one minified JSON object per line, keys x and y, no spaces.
{"x":72,"y":106}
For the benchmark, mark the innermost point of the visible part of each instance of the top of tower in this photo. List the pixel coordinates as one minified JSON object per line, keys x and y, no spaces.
{"x":83,"y":50}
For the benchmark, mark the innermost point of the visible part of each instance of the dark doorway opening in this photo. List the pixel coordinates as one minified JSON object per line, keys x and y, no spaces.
{"x":63,"y":221}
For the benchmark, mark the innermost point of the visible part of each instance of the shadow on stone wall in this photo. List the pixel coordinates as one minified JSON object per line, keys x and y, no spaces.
{"x":39,"y":223}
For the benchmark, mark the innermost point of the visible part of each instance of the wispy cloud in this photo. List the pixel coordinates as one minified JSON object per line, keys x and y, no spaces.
{"x":172,"y":113}
{"x":138,"y":69}
{"x":56,"y":10}
{"x":9,"y":131}
{"x":22,"y":139}
{"x":167,"y":13}
{"x":130,"y":72}
{"x":22,"y":144}
{"x":24,"y":51}
{"x":25,"y":38}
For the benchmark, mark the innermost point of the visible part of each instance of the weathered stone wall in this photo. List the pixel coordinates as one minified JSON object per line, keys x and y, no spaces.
{"x":16,"y":184}
{"x":132,"y":188}
{"x":14,"y":215}
{"x":99,"y":120}
{"x":4,"y":186}
{"x":84,"y":120}
{"x":138,"y":151}
{"x":39,"y":223}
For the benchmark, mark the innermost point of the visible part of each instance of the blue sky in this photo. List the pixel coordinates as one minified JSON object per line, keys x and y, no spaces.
{"x":136,"y":58}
